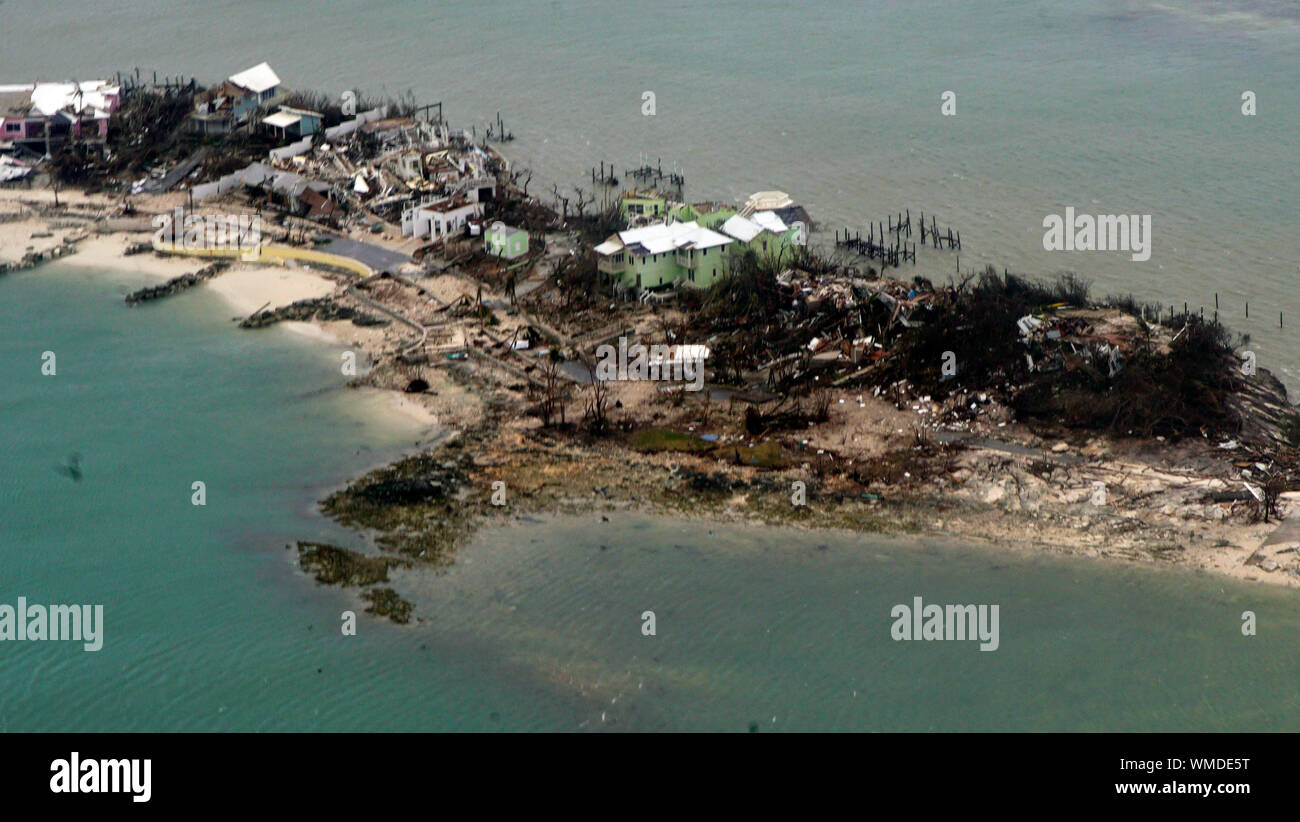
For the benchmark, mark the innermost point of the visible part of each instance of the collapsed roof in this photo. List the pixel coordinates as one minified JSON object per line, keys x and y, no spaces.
{"x":47,"y":99}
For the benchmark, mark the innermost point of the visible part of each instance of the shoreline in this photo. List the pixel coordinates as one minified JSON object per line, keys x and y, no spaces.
{"x":553,"y":481}
{"x":243,"y":288}
{"x":563,"y":471}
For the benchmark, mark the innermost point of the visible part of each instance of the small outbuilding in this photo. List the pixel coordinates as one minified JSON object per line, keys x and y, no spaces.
{"x":293,"y":122}
{"x":503,"y":241}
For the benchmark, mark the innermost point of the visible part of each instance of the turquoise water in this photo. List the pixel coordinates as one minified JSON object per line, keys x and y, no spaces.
{"x":1109,"y":106}
{"x":208,"y":622}
{"x":209,"y":625}
{"x":1112,"y":106}
{"x":791,"y":630}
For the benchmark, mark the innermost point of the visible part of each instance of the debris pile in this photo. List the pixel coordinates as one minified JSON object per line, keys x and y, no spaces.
{"x":1045,"y":351}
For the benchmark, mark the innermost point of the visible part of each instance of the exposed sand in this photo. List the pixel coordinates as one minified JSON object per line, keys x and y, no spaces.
{"x":252,"y":287}
{"x":16,"y":238}
{"x":246,"y":287}
{"x":11,"y":197}
{"x":411,"y":409}
{"x":371,"y":339}
{"x":104,"y":251}
{"x":314,"y":330}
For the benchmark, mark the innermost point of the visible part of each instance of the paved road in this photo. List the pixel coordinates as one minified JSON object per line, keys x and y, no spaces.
{"x":377,"y":257}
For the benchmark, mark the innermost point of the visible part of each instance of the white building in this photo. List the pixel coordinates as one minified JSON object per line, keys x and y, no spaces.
{"x":259,"y":82}
{"x":438,"y":218}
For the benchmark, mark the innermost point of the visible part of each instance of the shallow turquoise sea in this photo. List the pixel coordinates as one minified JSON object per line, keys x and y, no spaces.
{"x":1111,"y":106}
{"x":538,"y":625}
{"x":208,"y":622}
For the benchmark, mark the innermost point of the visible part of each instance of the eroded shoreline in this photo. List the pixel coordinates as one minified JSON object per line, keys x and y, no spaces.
{"x":1004,"y":485}
{"x":425,"y":507}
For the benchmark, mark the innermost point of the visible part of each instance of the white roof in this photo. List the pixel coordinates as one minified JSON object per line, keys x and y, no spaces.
{"x":741,"y":228}
{"x":609,"y":247}
{"x":257,"y":79}
{"x":702,"y":238}
{"x":282,"y":119}
{"x":747,"y":228}
{"x":770,"y":221}
{"x":656,"y":238}
{"x":661,"y":238}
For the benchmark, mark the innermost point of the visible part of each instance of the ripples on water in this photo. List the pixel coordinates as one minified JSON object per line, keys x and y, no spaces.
{"x":1109,"y":106}
{"x":1116,"y":106}
{"x":791,"y":630}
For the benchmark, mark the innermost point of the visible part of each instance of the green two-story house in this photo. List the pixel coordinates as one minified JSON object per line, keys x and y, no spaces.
{"x":637,"y":203}
{"x":664,"y":254}
{"x":691,"y":246}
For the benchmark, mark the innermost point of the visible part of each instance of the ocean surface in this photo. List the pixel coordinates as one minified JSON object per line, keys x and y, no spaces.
{"x":1112,"y":107}
{"x":208,"y":623}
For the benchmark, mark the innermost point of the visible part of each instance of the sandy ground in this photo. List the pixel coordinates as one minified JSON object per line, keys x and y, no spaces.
{"x":10,"y":197}
{"x":411,"y":409}
{"x":16,"y":238}
{"x":252,"y":287}
{"x":344,"y":332}
{"x":104,"y":251}
{"x":249,"y":288}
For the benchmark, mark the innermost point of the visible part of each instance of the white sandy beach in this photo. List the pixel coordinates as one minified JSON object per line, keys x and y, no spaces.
{"x":250,"y":288}
{"x":245,"y":287}
{"x":16,"y":238}
{"x":104,"y":252}
{"x":400,"y":406}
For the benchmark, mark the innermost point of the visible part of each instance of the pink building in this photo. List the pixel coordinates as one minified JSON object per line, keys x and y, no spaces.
{"x":76,"y":112}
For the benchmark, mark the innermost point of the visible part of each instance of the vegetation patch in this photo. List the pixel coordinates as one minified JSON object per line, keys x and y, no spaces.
{"x":333,"y":565}
{"x":385,"y":602}
{"x":656,"y":440}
